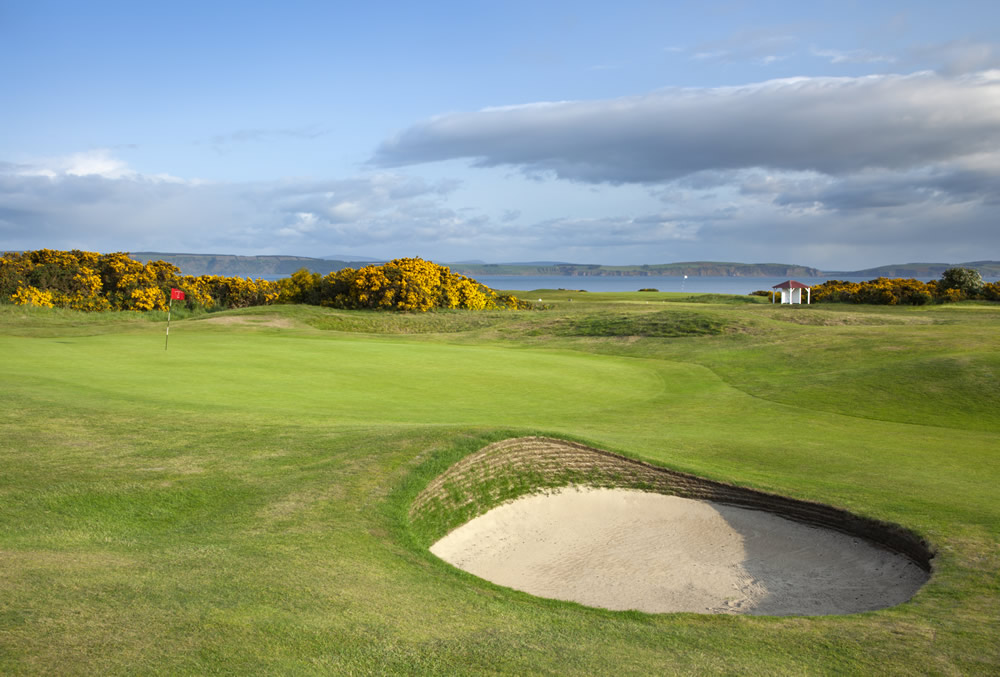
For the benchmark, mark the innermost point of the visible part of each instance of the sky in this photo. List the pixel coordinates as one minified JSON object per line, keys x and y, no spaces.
{"x":840,"y":135}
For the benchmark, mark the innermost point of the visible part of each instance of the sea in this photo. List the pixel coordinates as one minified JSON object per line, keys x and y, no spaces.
{"x":672,"y":283}
{"x":690,"y":285}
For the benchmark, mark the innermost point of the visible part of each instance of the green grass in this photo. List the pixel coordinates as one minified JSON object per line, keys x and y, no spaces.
{"x":238,"y":503}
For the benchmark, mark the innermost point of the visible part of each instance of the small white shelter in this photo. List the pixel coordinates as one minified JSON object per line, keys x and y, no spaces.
{"x":791,"y":292}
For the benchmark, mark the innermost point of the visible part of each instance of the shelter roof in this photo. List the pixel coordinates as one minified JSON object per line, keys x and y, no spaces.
{"x":790,"y":284}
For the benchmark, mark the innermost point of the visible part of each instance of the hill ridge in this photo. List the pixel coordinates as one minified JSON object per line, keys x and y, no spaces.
{"x":272,"y":265}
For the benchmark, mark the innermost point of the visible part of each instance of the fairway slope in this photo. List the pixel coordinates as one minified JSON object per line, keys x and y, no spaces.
{"x":262,"y":498}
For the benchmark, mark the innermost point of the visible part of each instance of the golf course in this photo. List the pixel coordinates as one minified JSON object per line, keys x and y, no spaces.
{"x":242,"y":502}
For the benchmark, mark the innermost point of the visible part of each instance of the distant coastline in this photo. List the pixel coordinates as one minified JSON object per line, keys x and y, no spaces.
{"x":282,"y":266}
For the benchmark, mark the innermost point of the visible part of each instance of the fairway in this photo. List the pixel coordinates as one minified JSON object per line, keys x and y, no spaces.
{"x":240,"y":503}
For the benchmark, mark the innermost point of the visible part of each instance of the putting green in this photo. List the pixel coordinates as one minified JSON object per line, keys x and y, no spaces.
{"x":343,"y":381}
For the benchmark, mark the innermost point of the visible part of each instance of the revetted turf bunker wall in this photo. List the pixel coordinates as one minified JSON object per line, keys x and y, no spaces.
{"x":511,"y":468}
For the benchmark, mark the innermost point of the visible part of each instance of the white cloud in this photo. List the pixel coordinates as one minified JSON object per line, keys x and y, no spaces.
{"x":762,"y":45}
{"x":852,"y":56}
{"x":831,"y":125}
{"x":93,"y":200}
{"x":304,"y":222}
{"x":345,"y":211}
{"x":96,"y":162}
{"x":707,"y":56}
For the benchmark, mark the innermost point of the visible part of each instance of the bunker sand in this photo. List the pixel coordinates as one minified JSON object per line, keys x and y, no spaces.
{"x":627,"y":549}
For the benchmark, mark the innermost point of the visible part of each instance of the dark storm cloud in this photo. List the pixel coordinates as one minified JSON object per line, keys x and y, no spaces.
{"x":834,"y":126}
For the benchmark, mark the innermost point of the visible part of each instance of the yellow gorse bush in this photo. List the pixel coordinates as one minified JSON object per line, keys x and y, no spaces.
{"x":409,"y":284}
{"x":880,"y":291}
{"x":93,"y":282}
{"x":31,"y":296}
{"x":899,"y":291}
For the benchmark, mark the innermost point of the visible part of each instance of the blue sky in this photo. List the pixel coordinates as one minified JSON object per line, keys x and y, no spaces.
{"x":839,"y":135}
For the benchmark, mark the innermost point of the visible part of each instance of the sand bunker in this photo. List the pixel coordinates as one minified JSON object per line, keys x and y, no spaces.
{"x":626,"y":549}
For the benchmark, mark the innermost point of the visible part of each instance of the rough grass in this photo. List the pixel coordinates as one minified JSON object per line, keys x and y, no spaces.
{"x":664,"y":324}
{"x":239,"y":504}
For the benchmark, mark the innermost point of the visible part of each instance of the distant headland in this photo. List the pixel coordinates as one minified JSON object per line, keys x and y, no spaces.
{"x":273,"y":266}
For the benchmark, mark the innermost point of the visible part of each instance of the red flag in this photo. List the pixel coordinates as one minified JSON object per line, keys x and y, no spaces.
{"x":176,"y":294}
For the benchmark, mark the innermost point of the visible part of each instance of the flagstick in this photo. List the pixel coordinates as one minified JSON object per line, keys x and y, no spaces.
{"x":169,"y":308}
